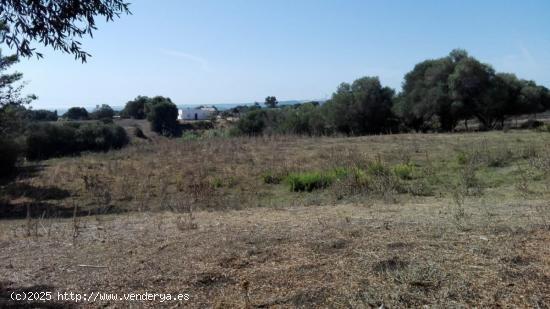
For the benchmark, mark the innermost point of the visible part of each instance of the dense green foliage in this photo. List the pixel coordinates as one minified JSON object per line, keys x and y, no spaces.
{"x":53,"y":140}
{"x":364,"y":107}
{"x":9,"y":152}
{"x":160,"y":111}
{"x":135,"y":108}
{"x":437,"y":94}
{"x":41,"y":115}
{"x":271,"y":102}
{"x":77,"y":113}
{"x":103,"y":112}
{"x":163,"y":116}
{"x":55,"y":23}
{"x":12,"y":113}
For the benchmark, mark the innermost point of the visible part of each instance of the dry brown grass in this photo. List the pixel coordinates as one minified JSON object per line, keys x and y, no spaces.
{"x":470,"y":234}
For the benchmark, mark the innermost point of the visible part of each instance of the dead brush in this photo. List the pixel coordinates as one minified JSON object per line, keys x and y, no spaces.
{"x":468,"y":180}
{"x":98,"y":190}
{"x":458,"y":211}
{"x":185,"y":220}
{"x":523,"y":182}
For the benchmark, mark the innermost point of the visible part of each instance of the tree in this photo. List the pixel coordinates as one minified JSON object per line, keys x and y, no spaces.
{"x":41,"y":115}
{"x":533,"y":99}
{"x":163,"y":115}
{"x":103,"y":112}
{"x":135,"y":108}
{"x":12,"y":111}
{"x":503,"y":97}
{"x":77,"y":113}
{"x":56,"y":23}
{"x":252,"y":123}
{"x":470,"y":84}
{"x":364,"y":107}
{"x":271,"y":102}
{"x":426,"y":98}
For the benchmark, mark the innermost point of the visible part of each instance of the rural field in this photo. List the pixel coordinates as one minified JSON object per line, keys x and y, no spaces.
{"x":383,"y":221}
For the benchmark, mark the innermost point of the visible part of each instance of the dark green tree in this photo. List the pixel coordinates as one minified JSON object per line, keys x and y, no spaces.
{"x":77,"y":113}
{"x":135,"y":108}
{"x":470,"y":84}
{"x":55,"y":23}
{"x":41,"y":115}
{"x":102,"y":112}
{"x":364,"y":107}
{"x":163,"y":116}
{"x":12,"y":112}
{"x":533,"y":98}
{"x":426,"y":101}
{"x":271,"y":102}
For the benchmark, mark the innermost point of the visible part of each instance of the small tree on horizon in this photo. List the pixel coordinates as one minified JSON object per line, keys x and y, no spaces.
{"x":271,"y":102}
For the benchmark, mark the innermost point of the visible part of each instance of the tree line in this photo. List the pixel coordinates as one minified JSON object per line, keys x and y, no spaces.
{"x":437,"y":95}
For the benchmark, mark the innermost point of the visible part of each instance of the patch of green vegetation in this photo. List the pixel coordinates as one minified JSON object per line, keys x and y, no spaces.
{"x":309,"y":181}
{"x":462,"y":158}
{"x":404,"y":171}
{"x":378,"y":168}
{"x":190,"y":136}
{"x":217,"y":182}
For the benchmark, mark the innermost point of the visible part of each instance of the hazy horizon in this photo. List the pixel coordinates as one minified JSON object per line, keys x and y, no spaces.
{"x":203,"y":52}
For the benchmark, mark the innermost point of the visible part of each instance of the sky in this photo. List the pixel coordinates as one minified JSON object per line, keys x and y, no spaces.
{"x":238,"y":51}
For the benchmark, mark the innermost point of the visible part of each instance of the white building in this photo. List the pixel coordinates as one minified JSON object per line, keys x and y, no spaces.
{"x":195,"y":113}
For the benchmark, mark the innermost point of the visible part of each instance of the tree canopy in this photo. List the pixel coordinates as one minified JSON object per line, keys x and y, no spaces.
{"x":438,"y":93}
{"x":271,"y":102}
{"x":55,"y":23}
{"x":102,"y":112}
{"x":77,"y":113}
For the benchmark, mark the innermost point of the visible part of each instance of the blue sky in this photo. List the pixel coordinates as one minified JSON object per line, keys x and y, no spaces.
{"x":206,"y":52}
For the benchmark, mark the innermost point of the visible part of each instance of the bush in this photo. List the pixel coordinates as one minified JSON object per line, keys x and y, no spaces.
{"x":253,"y":123}
{"x":46,"y":140}
{"x":163,"y":116}
{"x":378,"y":168}
{"x":77,"y":113}
{"x":532,"y":124}
{"x":544,"y":128}
{"x":9,"y":153}
{"x":139,"y":133}
{"x":403,"y":171}
{"x":309,"y":181}
{"x":462,"y":158}
{"x":103,"y":112}
{"x":41,"y":115}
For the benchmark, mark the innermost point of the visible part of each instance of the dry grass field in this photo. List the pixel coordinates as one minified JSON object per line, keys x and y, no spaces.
{"x":390,"y":221}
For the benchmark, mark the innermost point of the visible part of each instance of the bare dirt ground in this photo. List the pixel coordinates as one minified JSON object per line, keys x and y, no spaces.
{"x":345,"y":256}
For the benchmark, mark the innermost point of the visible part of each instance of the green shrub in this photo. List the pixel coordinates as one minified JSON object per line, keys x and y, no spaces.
{"x":404,"y":171}
{"x":544,"y":128}
{"x":532,"y":124}
{"x":190,"y":136}
{"x":462,"y":158}
{"x":163,"y":116}
{"x":48,"y":140}
{"x":217,"y":182}
{"x":309,"y":181}
{"x":9,"y":153}
{"x":378,"y":168}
